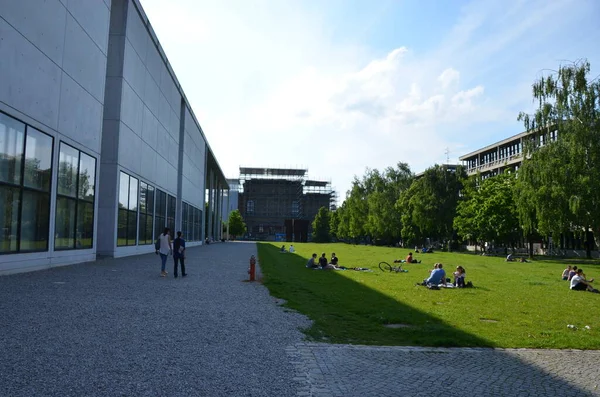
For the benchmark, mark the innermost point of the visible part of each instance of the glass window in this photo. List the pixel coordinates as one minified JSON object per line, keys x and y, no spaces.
{"x":161,"y":212}
{"x":122,"y":228}
{"x":9,"y":199}
{"x":35,"y":221}
{"x":68,"y":168}
{"x":65,"y":223}
{"x":25,"y":175}
{"x":133,"y":194}
{"x":172,"y":204}
{"x":75,"y":199}
{"x":85,"y":225}
{"x":127,"y":221}
{"x":123,"y":190}
{"x":87,"y":177}
{"x":12,"y":137}
{"x":38,"y":160}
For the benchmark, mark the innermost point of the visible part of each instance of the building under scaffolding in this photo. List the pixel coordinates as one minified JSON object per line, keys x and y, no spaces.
{"x":281,"y":203}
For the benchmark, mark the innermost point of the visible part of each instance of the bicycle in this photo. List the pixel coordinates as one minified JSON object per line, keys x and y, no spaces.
{"x":386,"y":267}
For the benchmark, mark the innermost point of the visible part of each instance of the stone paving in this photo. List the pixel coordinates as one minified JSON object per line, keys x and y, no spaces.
{"x":114,"y":327}
{"x":343,"y":370}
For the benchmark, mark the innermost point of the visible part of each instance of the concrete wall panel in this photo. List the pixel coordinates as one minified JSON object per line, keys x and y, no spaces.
{"x":151,"y":94}
{"x":130,"y":142}
{"x":173,"y":152}
{"x":134,"y":70}
{"x":83,"y":60}
{"x":174,"y":124}
{"x":164,"y":111}
{"x":41,"y":22}
{"x":148,"y":163}
{"x":30,"y":80}
{"x":154,"y":62}
{"x":136,"y":32}
{"x":150,"y":128}
{"x":93,"y":16}
{"x":80,"y":115}
{"x":162,"y":146}
{"x":132,"y":109}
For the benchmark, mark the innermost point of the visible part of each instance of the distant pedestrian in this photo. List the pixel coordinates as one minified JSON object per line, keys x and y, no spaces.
{"x":179,"y":255}
{"x":165,"y":248}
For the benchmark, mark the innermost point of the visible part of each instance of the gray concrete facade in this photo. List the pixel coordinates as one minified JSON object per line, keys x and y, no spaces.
{"x":93,"y":75}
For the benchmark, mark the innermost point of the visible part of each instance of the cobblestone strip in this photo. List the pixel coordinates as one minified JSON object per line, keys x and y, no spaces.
{"x":348,"y":370}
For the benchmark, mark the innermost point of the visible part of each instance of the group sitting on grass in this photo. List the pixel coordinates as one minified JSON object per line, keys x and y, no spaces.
{"x":323,"y":264}
{"x":577,"y":280}
{"x":437,"y":278}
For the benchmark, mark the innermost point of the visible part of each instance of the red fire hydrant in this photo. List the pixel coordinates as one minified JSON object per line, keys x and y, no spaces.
{"x":252,"y":268}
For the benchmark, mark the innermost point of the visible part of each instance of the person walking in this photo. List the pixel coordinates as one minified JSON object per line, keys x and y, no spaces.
{"x":179,"y":255}
{"x":164,"y":249}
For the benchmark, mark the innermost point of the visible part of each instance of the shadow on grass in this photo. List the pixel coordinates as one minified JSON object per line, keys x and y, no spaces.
{"x":345,"y":311}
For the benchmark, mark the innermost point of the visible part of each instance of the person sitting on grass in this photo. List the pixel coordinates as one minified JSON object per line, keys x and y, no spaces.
{"x":565,"y":273}
{"x":283,"y":248}
{"x":334,"y":259}
{"x":410,"y":259}
{"x":292,"y":249}
{"x":459,"y":277}
{"x":437,"y":276}
{"x":572,"y":273}
{"x":311,"y":264}
{"x":579,"y":283}
{"x":323,"y":260}
{"x":509,"y":258}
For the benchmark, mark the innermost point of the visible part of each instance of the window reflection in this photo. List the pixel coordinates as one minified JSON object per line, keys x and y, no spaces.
{"x":75,"y":199}
{"x":12,"y":136}
{"x":25,"y":175}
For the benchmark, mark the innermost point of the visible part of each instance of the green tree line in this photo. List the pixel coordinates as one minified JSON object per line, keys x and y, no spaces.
{"x":556,"y":189}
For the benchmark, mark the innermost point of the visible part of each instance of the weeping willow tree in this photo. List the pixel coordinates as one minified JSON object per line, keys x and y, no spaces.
{"x":558,"y":187}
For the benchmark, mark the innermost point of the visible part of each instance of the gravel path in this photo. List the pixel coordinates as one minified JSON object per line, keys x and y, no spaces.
{"x":115,"y":328}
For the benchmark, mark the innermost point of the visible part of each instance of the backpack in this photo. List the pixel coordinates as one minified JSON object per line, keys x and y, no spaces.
{"x":157,"y":244}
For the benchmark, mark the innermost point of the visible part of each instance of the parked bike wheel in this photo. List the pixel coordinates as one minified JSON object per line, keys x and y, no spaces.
{"x":385,"y":267}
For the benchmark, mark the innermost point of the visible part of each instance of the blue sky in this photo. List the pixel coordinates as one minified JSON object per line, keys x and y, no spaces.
{"x":341,"y":85}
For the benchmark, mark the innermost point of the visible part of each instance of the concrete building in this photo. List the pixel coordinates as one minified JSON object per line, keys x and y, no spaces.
{"x":281,"y":203}
{"x":505,"y":154}
{"x":99,"y":147}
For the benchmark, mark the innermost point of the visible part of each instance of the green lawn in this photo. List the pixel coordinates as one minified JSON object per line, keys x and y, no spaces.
{"x":512,"y":305}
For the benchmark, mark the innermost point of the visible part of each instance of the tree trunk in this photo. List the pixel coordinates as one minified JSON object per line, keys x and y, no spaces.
{"x":588,"y":243}
{"x":530,"y":247}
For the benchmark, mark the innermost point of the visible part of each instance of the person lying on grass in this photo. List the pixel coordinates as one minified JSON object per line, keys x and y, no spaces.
{"x":579,"y":283}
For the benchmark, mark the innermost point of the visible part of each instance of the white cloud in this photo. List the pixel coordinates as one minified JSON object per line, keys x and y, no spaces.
{"x":271,"y":88}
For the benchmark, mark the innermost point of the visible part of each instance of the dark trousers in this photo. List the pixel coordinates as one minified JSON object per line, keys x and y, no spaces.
{"x":176,"y":260}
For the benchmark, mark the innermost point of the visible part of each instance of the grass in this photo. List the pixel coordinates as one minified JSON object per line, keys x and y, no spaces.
{"x":512,"y":305}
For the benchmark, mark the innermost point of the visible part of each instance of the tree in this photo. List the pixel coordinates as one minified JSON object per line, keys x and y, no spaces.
{"x":559,"y":178}
{"x":321,"y":226}
{"x":237,"y":227}
{"x":333,"y":224}
{"x":428,"y":207}
{"x":384,"y":219}
{"x":487,"y":212}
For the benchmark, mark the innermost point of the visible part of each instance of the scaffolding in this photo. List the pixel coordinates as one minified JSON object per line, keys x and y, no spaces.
{"x":274,"y":200}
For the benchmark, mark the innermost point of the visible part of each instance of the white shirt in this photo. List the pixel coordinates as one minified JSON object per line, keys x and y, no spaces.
{"x":292,"y":248}
{"x":164,"y":244}
{"x":576,"y":279}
